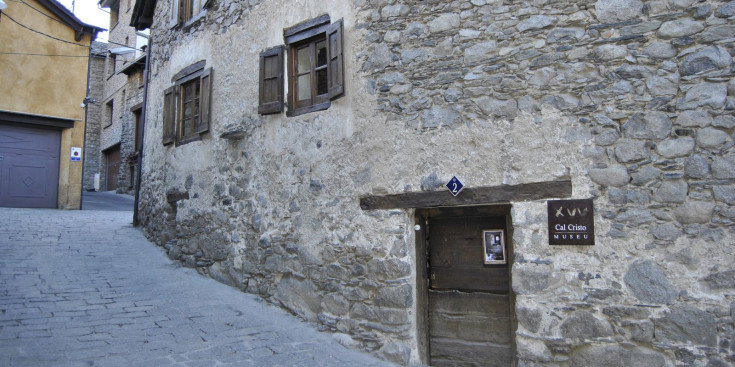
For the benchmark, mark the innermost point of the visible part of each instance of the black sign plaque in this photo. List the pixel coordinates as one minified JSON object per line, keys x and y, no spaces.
{"x":571,"y":222}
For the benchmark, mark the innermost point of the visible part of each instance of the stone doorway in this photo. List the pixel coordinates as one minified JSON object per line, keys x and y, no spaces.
{"x":465,"y":299}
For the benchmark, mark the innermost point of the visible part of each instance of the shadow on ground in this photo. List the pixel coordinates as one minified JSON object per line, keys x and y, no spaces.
{"x":107,"y":201}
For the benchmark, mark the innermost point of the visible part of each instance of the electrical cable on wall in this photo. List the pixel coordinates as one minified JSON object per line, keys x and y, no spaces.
{"x":46,"y":55}
{"x":41,"y":33}
{"x":65,"y":41}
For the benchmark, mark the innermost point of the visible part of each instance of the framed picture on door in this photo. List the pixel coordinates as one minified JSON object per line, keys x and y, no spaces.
{"x":494,"y":246}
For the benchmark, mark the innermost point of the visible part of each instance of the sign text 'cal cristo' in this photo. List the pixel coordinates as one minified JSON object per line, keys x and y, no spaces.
{"x":571,"y":222}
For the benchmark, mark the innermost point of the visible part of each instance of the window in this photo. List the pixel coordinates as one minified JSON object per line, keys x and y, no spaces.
{"x":183,"y":11}
{"x":136,"y":110}
{"x":110,"y":113}
{"x":315,"y":69}
{"x":186,"y":105}
{"x":111,"y":65}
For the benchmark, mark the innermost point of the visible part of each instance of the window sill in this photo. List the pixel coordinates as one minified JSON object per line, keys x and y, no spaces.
{"x":304,"y":110}
{"x":188,"y":140}
{"x":195,"y":19}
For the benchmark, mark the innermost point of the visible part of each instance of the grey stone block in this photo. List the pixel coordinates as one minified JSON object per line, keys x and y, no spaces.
{"x":703,"y":95}
{"x":609,"y":52}
{"x":616,"y":356}
{"x":724,"y":167}
{"x":645,"y":175}
{"x":634,"y":216}
{"x":724,"y":121}
{"x":711,"y":138}
{"x":721,"y":280}
{"x":725,"y":193}
{"x":710,"y":58}
{"x":391,"y":11}
{"x":659,"y":51}
{"x":536,"y":22}
{"x":672,"y":148}
{"x":615,"y":176}
{"x":629,"y":150}
{"x":379,"y":59}
{"x":440,"y":117}
{"x":498,"y":108}
{"x":584,"y":325}
{"x":694,"y":212}
{"x":726,"y":10}
{"x":611,"y":11}
{"x":562,"y":35}
{"x":653,"y":125}
{"x":399,"y":296}
{"x":648,"y":283}
{"x":717,"y":33}
{"x":531,"y":279}
{"x":697,"y":166}
{"x":530,"y":318}
{"x":671,"y":192}
{"x":686,"y":323}
{"x":444,"y":22}
{"x":694,"y":118}
{"x":666,"y":232}
{"x":679,"y":28}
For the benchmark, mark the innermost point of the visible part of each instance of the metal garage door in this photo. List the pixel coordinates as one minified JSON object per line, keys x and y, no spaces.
{"x":29,"y":166}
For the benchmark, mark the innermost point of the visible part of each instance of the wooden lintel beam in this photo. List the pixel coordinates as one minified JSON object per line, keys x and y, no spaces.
{"x":470,"y":196}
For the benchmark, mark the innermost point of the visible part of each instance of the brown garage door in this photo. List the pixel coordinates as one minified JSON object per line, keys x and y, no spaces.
{"x":29,"y":166}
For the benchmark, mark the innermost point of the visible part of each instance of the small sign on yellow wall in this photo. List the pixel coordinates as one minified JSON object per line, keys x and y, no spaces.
{"x":76,"y":154}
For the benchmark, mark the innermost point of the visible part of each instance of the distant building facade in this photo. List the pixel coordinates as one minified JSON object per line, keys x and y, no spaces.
{"x":360,"y":162}
{"x":121,"y":100}
{"x":44,"y":55}
{"x":92,"y":153}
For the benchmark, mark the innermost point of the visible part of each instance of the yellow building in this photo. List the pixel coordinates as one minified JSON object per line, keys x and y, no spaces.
{"x":44,"y":62}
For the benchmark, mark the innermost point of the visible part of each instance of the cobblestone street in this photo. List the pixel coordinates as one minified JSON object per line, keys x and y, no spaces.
{"x":85,"y":288}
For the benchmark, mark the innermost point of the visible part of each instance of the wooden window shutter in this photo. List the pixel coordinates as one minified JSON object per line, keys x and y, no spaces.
{"x":169,"y":115}
{"x":270,"y":91}
{"x":205,"y":102}
{"x":335,"y":69}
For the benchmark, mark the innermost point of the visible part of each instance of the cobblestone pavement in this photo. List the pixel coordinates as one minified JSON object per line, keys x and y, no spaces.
{"x":85,"y":288}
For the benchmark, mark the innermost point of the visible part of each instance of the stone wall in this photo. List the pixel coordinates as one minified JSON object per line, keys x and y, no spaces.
{"x":125,"y":92}
{"x":632,"y":101}
{"x":95,"y":112}
{"x":649,"y":91}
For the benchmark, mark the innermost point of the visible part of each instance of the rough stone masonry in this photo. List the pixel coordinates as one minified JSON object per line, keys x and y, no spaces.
{"x":633,"y":101}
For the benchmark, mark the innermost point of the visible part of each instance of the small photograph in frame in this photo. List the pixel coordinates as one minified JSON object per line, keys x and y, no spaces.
{"x":494,"y":246}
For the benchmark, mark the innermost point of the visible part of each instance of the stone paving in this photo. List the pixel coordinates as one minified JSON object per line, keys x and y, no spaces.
{"x":85,"y":288}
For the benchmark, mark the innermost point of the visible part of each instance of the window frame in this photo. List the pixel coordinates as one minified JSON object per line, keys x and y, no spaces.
{"x":174,"y":119}
{"x":187,"y":12}
{"x":110,"y":109}
{"x":309,"y":34}
{"x":315,"y":102}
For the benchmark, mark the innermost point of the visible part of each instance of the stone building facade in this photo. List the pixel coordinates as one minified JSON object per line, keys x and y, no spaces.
{"x":95,"y":109}
{"x":122,"y":100}
{"x":328,"y":213}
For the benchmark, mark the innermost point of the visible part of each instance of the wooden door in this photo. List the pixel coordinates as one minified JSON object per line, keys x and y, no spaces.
{"x":113,"y":159}
{"x":469,"y":304}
